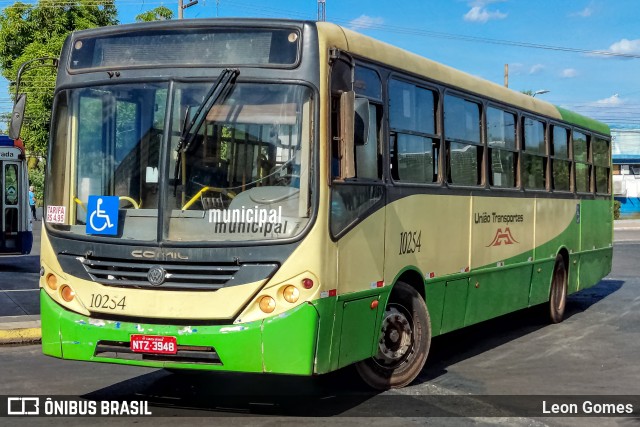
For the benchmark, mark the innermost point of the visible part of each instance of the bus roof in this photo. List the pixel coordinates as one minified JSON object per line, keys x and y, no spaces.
{"x":384,"y":53}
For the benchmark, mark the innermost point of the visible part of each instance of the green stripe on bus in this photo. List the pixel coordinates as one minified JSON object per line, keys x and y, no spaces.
{"x":584,"y":122}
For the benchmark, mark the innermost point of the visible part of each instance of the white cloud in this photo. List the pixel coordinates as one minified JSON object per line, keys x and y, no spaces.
{"x":535,"y":69}
{"x":365,"y":21}
{"x":612,"y":110}
{"x":611,"y":101}
{"x":626,"y":46}
{"x":584,"y":13}
{"x":516,"y":69}
{"x":569,"y":73}
{"x":481,"y":14}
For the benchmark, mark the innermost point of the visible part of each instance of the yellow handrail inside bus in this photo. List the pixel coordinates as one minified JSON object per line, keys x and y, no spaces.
{"x":195,"y":198}
{"x":133,"y":202}
{"x":78,"y":201}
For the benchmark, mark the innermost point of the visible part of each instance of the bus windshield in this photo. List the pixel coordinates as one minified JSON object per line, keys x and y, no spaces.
{"x":243,"y":176}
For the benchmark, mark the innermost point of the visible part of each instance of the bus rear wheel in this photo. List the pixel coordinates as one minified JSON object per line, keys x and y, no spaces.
{"x":558,"y":294}
{"x":405,"y":338}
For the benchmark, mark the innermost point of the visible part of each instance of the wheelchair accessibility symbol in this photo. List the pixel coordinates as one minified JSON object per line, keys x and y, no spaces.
{"x":102,"y":214}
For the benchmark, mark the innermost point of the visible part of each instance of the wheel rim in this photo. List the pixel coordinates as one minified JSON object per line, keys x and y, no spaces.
{"x":396,"y":337}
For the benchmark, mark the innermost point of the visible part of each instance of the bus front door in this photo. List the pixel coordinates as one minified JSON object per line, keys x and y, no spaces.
{"x":10,"y":213}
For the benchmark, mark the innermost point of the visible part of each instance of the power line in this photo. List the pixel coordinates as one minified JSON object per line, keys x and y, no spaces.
{"x":269,"y":11}
{"x":450,"y":36}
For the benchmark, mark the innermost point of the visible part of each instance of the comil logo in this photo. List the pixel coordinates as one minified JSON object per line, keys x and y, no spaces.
{"x":503,"y":238}
{"x":23,"y":406}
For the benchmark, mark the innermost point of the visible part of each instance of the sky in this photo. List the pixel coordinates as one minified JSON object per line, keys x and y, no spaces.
{"x":586,"y":53}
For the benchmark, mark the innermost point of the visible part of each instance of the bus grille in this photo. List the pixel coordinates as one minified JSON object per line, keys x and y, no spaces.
{"x":185,"y":354}
{"x":171,"y":275}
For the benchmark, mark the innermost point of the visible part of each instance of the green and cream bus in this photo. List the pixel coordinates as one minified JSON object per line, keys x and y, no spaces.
{"x":293,"y":197}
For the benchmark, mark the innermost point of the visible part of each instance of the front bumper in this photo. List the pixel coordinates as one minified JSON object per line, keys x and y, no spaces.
{"x":283,"y":344}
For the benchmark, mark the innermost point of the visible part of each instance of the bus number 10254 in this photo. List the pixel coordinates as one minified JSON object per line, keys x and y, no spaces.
{"x":410,"y":242}
{"x":107,"y":301}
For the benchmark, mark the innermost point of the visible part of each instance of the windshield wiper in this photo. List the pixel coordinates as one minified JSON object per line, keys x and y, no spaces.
{"x":216,"y":94}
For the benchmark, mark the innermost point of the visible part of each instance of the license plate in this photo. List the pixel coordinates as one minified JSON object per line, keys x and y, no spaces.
{"x":154,"y":344}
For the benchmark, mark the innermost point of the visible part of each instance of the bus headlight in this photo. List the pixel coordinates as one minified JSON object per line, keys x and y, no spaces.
{"x":291,"y":294}
{"x":52,"y":281}
{"x":67,"y":293}
{"x":281,"y":296}
{"x":267,"y":304}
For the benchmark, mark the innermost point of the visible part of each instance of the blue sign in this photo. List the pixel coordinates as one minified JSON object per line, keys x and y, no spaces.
{"x":102,"y":215}
{"x":5,"y":141}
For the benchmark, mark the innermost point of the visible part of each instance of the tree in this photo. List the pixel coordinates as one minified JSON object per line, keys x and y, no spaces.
{"x":160,"y":13}
{"x":29,"y":31}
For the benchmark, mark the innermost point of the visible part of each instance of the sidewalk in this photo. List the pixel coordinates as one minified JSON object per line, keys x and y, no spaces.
{"x":626,"y":224}
{"x":20,"y":294}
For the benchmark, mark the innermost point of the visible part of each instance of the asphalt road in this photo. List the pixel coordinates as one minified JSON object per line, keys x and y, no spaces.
{"x":595,"y":351}
{"x":19,"y":280}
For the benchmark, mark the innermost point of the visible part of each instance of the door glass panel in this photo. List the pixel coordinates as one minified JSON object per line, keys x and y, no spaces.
{"x":11,"y":185}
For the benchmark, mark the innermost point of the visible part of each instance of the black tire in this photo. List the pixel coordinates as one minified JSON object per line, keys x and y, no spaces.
{"x":558,"y":293}
{"x":403,"y":346}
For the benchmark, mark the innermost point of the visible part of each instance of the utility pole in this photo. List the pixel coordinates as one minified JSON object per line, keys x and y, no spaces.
{"x":506,"y":75}
{"x":322,"y":15}
{"x":182,"y":7}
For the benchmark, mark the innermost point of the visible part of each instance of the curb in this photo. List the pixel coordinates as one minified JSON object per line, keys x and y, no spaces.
{"x":20,"y":336}
{"x":20,"y":329}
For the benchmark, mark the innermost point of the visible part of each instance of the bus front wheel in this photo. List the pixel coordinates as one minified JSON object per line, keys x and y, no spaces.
{"x":404,"y":341}
{"x":558,"y":294}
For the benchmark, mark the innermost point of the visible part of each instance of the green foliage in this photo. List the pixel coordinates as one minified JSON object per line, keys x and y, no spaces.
{"x":616,"y":209}
{"x":160,"y":13}
{"x":29,"y":31}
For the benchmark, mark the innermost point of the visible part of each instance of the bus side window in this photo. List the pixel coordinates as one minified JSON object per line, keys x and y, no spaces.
{"x":352,"y":198}
{"x":415,"y":143}
{"x":368,"y":154}
{"x":560,"y":163}
{"x":464,"y":145}
{"x":367,"y":83}
{"x":503,"y":152}
{"x":341,"y":81}
{"x":533,"y":154}
{"x":601,"y":164}
{"x":367,"y":118}
{"x":582,"y":165}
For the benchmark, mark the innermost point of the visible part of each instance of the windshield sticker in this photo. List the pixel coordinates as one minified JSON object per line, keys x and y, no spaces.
{"x":248,"y":220}
{"x":102,"y":212}
{"x":56,"y":215}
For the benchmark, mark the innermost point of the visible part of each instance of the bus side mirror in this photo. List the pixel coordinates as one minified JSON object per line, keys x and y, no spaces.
{"x":347,"y":156}
{"x":17,"y":116}
{"x":361,"y":124}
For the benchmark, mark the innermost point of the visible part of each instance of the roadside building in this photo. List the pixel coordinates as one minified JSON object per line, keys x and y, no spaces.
{"x":626,"y":167}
